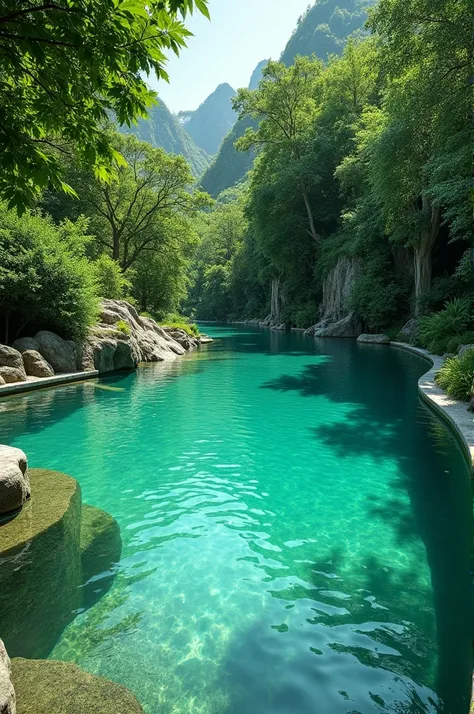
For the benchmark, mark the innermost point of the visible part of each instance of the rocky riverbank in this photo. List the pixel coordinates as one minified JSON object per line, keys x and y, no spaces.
{"x":119,"y":341}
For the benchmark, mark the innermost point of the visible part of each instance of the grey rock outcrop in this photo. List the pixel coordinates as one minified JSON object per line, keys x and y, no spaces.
{"x":123,"y":338}
{"x":11,"y":375}
{"x":25,"y":343}
{"x":56,"y":351}
{"x":7,"y":693}
{"x":14,"y":481}
{"x":182,"y":337}
{"x":349,"y":326}
{"x":374,"y":339}
{"x":338,"y":287}
{"x":36,"y":365}
{"x":409,"y":331}
{"x":465,"y":348}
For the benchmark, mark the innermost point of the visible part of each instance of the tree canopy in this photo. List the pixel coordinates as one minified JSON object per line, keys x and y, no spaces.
{"x":66,"y":64}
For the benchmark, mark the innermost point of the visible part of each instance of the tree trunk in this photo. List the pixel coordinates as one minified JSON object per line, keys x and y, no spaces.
{"x":7,"y":325}
{"x":423,"y":254}
{"x":275,"y":308}
{"x":312,"y":227}
{"x":116,"y":248}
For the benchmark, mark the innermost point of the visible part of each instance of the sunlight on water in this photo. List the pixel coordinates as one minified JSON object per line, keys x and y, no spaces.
{"x":295,"y":525}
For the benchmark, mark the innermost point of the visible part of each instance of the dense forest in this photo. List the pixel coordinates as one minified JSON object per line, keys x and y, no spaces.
{"x":342,"y":192}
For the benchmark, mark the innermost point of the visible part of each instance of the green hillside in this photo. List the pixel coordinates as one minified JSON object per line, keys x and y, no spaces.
{"x":322,"y":30}
{"x":209,"y":124}
{"x":164,"y":130}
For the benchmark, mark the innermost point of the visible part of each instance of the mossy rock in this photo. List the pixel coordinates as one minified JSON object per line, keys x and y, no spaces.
{"x":40,"y":566}
{"x":51,"y":687}
{"x":101,"y":547}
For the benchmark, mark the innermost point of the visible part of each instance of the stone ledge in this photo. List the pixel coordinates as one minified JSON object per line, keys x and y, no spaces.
{"x":454,"y":412}
{"x":43,"y":382}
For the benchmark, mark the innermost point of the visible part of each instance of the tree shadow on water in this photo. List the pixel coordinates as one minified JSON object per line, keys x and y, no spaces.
{"x":429,"y":498}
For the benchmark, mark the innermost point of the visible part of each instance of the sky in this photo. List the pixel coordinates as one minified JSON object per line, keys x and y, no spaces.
{"x":227,"y":49}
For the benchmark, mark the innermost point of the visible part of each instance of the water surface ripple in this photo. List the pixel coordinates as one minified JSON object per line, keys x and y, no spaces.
{"x":296,"y":529}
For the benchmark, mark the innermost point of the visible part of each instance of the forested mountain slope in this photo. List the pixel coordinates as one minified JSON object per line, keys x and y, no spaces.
{"x":322,"y":30}
{"x":208,"y":125}
{"x":163,"y":130}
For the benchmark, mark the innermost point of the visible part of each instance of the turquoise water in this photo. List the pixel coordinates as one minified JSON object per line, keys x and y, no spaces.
{"x":296,"y":529}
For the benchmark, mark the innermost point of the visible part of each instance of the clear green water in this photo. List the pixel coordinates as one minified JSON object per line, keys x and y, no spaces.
{"x":296,"y":529}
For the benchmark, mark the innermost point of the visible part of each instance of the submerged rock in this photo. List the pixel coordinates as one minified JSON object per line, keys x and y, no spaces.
{"x":374,"y":339}
{"x":57,"y":352}
{"x":349,"y":326}
{"x":57,"y":556}
{"x":40,"y":566}
{"x":36,"y":365}
{"x":7,"y":693}
{"x":14,"y":480}
{"x":51,"y":687}
{"x":101,"y":547}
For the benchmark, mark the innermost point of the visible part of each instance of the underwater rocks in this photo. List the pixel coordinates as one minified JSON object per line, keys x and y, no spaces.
{"x":101,"y":548}
{"x":51,"y":687}
{"x":14,"y":480}
{"x":374,"y":339}
{"x":7,"y":693}
{"x":56,"y":558}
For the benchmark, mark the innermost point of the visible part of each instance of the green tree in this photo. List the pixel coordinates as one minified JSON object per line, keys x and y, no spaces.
{"x":110,"y":281}
{"x":285,"y":104}
{"x":65,"y":65}
{"x":129,"y":215}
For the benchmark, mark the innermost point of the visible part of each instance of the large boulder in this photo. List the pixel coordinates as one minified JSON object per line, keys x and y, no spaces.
{"x":25,"y":343}
{"x":9,"y":357}
{"x":409,"y":331}
{"x":7,"y":693}
{"x":374,"y":339}
{"x":58,"y":352}
{"x":11,"y":365}
{"x":14,"y":480}
{"x":349,"y":326}
{"x":10,"y":375}
{"x":52,"y":687}
{"x":36,"y":365}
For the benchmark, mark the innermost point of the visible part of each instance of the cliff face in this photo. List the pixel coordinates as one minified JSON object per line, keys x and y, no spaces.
{"x":337,"y":288}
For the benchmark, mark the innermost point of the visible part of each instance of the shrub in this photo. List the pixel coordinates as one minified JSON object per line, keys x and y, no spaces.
{"x":446,"y":330}
{"x":46,"y":282}
{"x":123,"y":326}
{"x":179,"y":322}
{"x":110,"y":281}
{"x":456,"y":376}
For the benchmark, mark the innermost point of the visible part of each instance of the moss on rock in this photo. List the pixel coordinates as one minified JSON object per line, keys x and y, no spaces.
{"x":40,"y":565}
{"x":51,"y":687}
